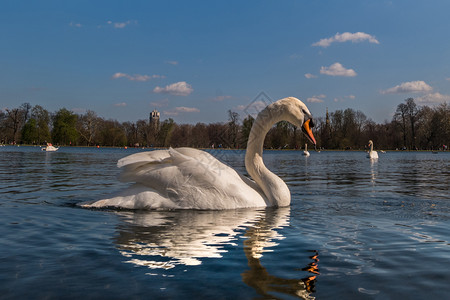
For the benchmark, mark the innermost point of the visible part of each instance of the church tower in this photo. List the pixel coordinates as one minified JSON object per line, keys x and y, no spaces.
{"x":154,"y":119}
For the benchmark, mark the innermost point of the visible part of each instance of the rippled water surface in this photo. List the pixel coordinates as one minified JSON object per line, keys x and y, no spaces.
{"x":355,"y":229}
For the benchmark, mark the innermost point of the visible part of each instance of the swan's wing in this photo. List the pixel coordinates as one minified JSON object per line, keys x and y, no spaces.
{"x":206,"y":182}
{"x":207,"y":158}
{"x":187,"y":178}
{"x":163,"y":168}
{"x":143,"y":158}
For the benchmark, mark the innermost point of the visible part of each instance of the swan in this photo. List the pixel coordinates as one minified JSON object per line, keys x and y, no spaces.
{"x":306,"y":153}
{"x":49,"y":147}
{"x":187,"y":178}
{"x":372,"y":154}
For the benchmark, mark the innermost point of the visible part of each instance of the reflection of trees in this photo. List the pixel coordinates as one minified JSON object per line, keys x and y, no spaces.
{"x":164,"y":240}
{"x":260,"y":236}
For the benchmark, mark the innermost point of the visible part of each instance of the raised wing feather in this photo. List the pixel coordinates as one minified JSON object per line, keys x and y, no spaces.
{"x":183,"y":178}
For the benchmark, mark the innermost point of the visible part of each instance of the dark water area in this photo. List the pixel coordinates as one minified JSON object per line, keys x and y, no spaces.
{"x":356,"y":229}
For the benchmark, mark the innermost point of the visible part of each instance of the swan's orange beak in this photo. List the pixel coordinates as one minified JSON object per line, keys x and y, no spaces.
{"x":308,"y":132}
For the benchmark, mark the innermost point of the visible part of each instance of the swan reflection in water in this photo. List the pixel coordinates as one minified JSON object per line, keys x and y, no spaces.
{"x":165,"y":239}
{"x":373,"y":171}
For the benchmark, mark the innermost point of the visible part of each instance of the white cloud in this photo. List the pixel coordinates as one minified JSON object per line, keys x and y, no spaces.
{"x":433,"y":98}
{"x":344,"y":98}
{"x":345,"y":37}
{"x":409,"y":87}
{"x":121,"y":25}
{"x":178,"y":89}
{"x":181,"y":109}
{"x":316,"y":99}
{"x":119,"y":75}
{"x":309,"y":75}
{"x":337,"y":69}
{"x":136,"y":77}
{"x":172,"y":62}
{"x":121,"y":104}
{"x":78,"y":25}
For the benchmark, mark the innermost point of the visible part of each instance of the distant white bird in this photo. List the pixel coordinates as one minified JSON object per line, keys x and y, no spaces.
{"x":187,"y":178}
{"x":49,"y":147}
{"x":306,"y":153}
{"x":372,"y":154}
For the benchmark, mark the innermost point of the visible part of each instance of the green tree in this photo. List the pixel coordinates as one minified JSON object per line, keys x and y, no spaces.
{"x":143,"y":132}
{"x":200,"y":136}
{"x":112,"y":133}
{"x":336,"y":129}
{"x":279,"y":136}
{"x":42,"y":117}
{"x":165,"y":132}
{"x":246,"y":128}
{"x":64,"y":127}
{"x":30,"y":132}
{"x":131,"y":133}
{"x":233,"y":129}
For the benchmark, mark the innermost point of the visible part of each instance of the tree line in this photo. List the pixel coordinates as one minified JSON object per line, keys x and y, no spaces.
{"x":412,"y":127}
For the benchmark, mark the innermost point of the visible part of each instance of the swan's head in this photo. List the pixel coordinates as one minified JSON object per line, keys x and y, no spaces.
{"x":370,"y":142}
{"x":300,"y":116}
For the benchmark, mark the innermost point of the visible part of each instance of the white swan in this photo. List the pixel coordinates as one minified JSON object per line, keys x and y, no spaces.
{"x":306,"y":153}
{"x":372,"y":154}
{"x":49,"y":147}
{"x":186,"y":178}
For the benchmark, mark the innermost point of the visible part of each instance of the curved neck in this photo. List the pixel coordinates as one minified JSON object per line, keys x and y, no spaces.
{"x":371,"y":147}
{"x":274,"y":188}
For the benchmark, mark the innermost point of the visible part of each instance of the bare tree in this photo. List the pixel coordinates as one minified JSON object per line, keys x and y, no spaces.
{"x":400,"y":116}
{"x":412,"y":112}
{"x":87,"y":126}
{"x":15,"y":122}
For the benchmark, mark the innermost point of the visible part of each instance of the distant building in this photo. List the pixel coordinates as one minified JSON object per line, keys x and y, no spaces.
{"x":154,"y":119}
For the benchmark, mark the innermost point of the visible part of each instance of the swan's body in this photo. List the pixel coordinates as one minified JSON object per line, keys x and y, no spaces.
{"x":186,"y":178}
{"x":306,"y":153}
{"x":49,"y":147}
{"x":372,"y":154}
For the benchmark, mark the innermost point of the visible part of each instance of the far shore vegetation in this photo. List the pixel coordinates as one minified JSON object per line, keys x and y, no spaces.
{"x":411,"y":128}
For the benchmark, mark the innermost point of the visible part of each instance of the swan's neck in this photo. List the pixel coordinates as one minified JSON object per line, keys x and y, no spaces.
{"x":306,"y":147}
{"x":276,"y":191}
{"x":371,"y":147}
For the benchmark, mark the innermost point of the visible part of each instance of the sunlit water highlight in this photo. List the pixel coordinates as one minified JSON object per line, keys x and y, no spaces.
{"x":355,"y":229}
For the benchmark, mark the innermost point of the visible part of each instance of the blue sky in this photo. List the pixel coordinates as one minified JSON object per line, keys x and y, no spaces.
{"x":195,"y":60}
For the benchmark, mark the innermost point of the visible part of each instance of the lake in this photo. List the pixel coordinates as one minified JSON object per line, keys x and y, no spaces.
{"x":356,"y":229}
